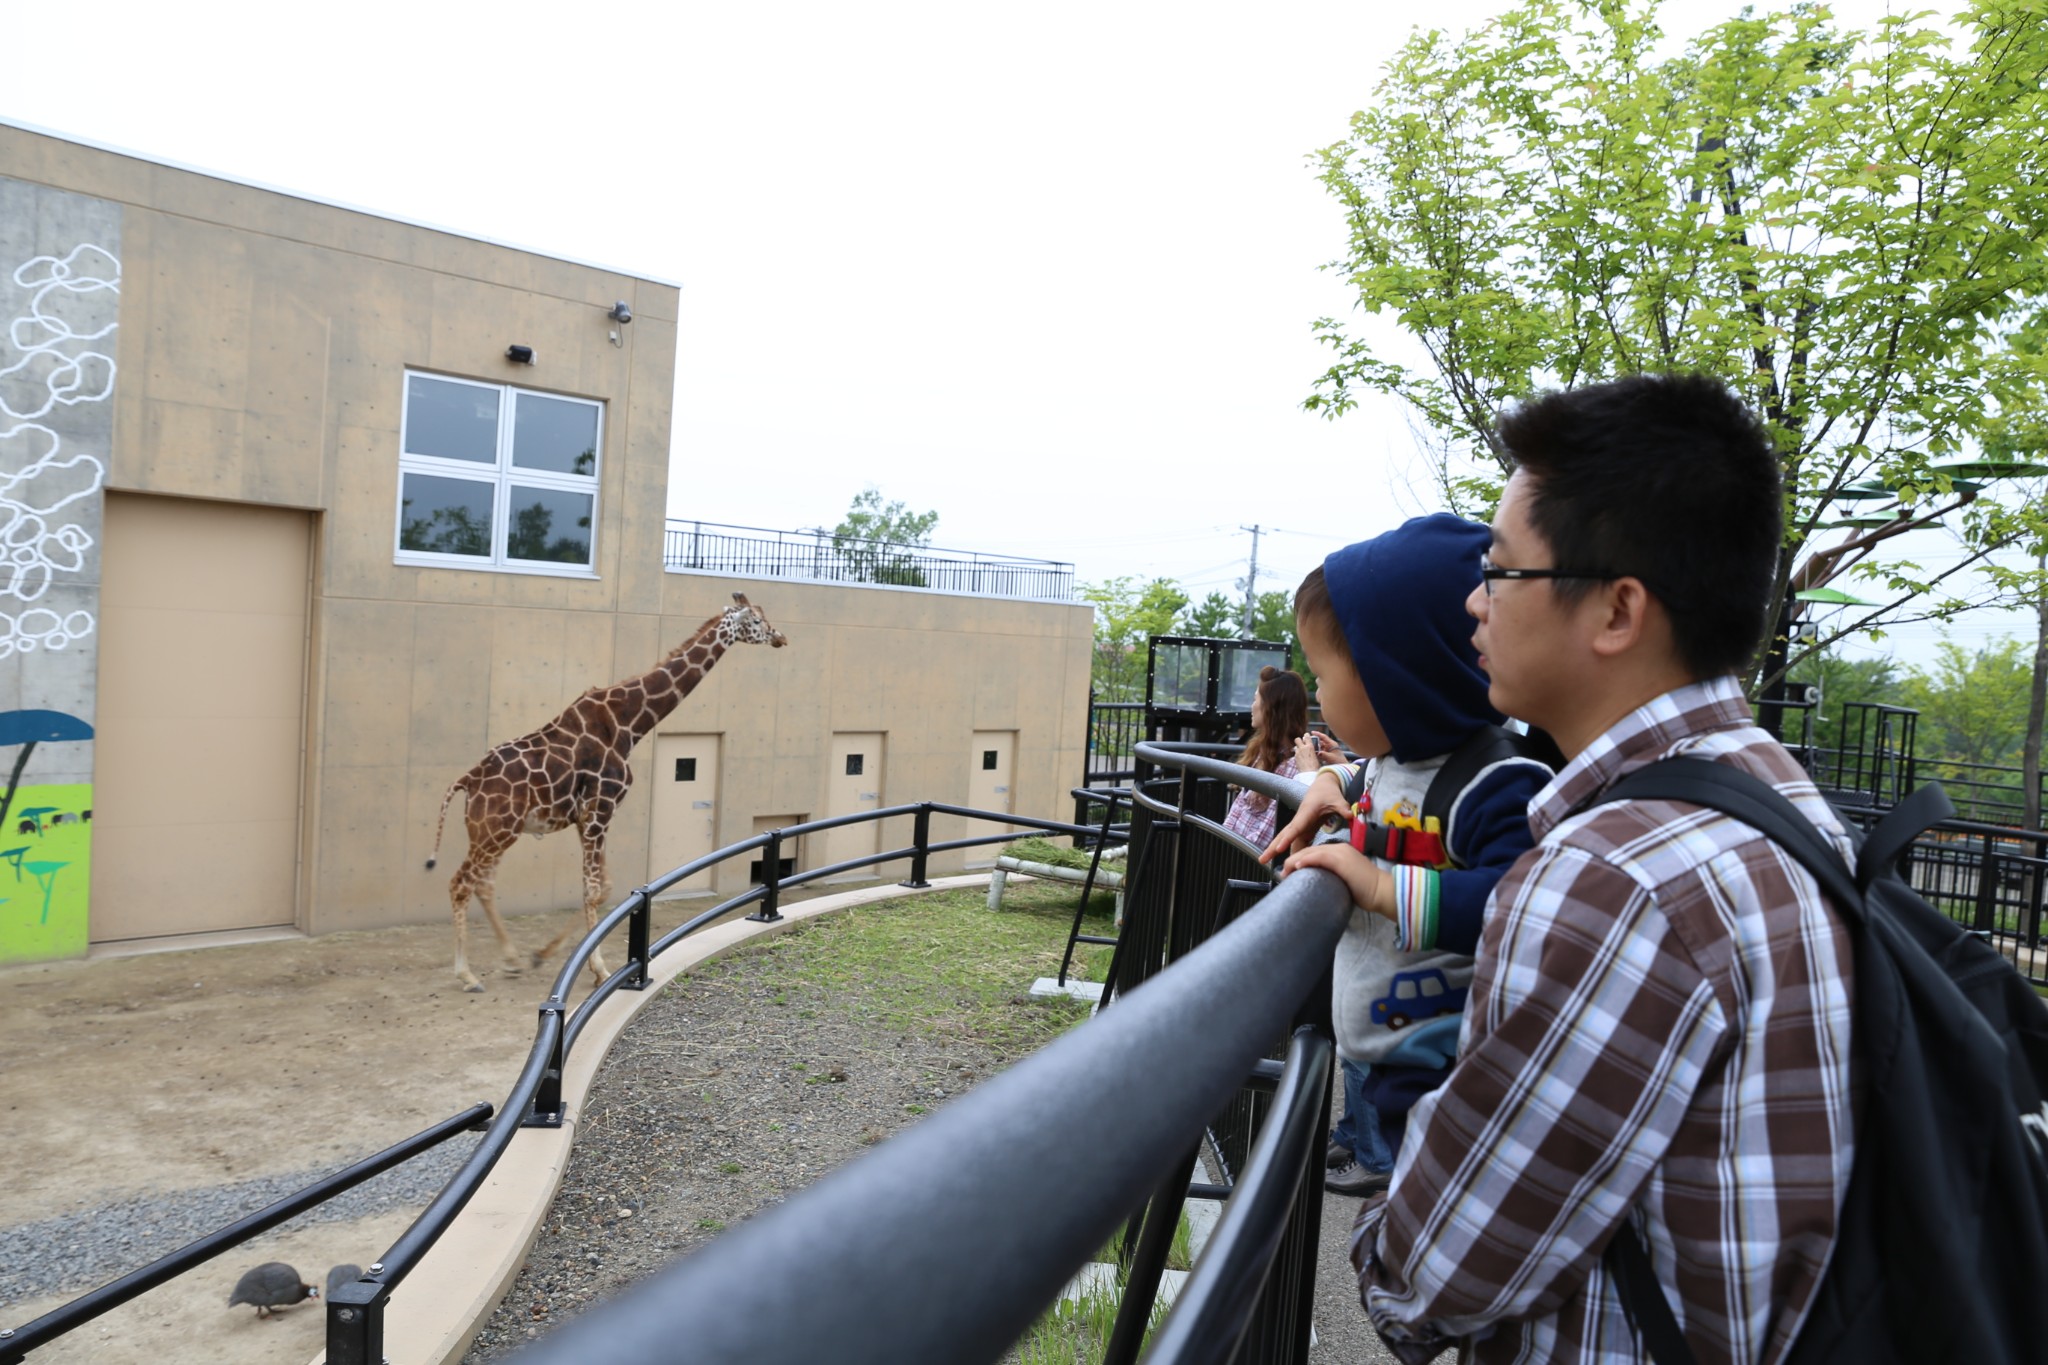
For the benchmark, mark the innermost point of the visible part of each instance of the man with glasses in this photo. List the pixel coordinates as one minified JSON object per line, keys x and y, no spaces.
{"x":1658,"y":1029}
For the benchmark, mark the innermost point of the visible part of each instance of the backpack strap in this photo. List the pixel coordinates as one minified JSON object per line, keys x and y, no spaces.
{"x":1482,"y":749}
{"x":1901,"y":825}
{"x":1756,"y":803}
{"x":1628,"y":1261}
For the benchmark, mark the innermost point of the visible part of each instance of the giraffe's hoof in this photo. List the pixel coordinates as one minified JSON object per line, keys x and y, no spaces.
{"x":512,"y":966}
{"x":473,"y":988}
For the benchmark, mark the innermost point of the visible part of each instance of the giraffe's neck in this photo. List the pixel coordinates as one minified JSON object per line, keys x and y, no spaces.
{"x":678,"y":675}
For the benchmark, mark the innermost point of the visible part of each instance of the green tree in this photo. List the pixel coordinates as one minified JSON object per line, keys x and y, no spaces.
{"x":1848,"y":227}
{"x":871,"y":537}
{"x":1126,"y":614}
{"x":1972,"y":703}
{"x":1214,"y":617}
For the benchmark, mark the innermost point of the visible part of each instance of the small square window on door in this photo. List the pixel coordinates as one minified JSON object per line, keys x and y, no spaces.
{"x":988,"y":760}
{"x":853,"y":764}
{"x":686,"y":770}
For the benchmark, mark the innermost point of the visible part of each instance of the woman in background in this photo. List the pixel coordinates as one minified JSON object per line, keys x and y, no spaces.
{"x":1280,"y":743}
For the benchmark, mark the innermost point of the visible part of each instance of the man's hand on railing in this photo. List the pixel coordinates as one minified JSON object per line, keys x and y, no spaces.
{"x":1325,"y":799}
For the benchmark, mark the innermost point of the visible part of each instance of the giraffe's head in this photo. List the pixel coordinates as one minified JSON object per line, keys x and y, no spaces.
{"x":743,"y":624}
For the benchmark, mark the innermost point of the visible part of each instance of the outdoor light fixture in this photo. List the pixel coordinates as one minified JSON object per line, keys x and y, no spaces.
{"x":519,"y":355}
{"x":620,"y":313}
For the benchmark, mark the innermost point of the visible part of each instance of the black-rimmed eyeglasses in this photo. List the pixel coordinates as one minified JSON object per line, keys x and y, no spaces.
{"x":1490,"y":573}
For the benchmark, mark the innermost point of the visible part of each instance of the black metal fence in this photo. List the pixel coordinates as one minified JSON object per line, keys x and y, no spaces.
{"x":820,"y":556}
{"x":893,"y":1250}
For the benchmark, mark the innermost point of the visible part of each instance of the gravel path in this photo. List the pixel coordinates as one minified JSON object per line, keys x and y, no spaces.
{"x":729,"y":1093}
{"x":73,"y":1252}
{"x":733,"y":1091}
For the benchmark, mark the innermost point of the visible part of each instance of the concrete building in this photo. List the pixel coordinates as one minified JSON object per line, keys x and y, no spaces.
{"x":305,"y":507}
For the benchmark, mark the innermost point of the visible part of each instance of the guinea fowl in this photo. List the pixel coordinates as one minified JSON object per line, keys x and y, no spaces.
{"x":341,"y":1275}
{"x":271,"y":1286}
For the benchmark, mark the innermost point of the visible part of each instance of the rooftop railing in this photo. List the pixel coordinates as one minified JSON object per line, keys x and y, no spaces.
{"x":822,"y":557}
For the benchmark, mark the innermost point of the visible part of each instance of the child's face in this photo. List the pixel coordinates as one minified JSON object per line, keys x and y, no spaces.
{"x":1346,"y":709}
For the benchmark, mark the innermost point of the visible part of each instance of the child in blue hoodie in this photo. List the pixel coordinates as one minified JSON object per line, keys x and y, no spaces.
{"x":1384,"y":627}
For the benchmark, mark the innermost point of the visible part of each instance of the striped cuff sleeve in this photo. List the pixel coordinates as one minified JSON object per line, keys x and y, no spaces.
{"x":1415,"y":908}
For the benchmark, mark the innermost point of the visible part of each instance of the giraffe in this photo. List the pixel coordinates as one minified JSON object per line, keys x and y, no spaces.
{"x":573,"y":771}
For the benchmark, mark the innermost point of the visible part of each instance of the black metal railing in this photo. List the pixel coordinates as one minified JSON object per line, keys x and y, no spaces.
{"x":1114,"y":731}
{"x":821,"y":556}
{"x":356,"y":1312}
{"x":1991,"y":878}
{"x":889,"y":1258}
{"x":17,"y":1342}
{"x":894,"y":1246}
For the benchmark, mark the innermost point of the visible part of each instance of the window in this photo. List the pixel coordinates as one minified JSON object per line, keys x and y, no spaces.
{"x":686,"y":770}
{"x":492,"y":476}
{"x":854,"y":763}
{"x":988,"y":760}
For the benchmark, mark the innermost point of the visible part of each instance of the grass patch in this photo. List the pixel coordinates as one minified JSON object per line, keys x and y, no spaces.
{"x":1076,"y":1331}
{"x":940,"y":965}
{"x":1041,"y":850}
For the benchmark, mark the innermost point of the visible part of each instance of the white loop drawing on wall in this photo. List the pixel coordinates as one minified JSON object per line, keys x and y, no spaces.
{"x":56,"y":341}
{"x":41,"y":628}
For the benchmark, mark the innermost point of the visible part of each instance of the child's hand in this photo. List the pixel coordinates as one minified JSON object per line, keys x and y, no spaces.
{"x":1325,"y":798}
{"x":1370,"y":887}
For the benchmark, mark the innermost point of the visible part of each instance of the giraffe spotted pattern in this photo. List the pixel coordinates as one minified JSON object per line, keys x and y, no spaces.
{"x":573,"y":773}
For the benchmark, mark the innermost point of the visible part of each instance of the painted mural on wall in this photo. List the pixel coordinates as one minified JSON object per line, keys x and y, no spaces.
{"x":60,"y":290}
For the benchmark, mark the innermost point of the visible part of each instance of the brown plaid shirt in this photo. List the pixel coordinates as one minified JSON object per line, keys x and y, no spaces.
{"x":1658,"y":1031}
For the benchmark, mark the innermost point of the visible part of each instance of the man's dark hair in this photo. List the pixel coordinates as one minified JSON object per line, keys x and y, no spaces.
{"x":1665,"y":478}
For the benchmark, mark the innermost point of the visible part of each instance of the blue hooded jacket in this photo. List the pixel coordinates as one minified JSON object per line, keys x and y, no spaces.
{"x":1400,"y":601}
{"x":1400,"y":598}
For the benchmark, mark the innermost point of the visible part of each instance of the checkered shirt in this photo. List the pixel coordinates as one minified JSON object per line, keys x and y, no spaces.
{"x":1658,"y":1031}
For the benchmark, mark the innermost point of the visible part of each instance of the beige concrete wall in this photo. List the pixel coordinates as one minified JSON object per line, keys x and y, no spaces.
{"x":264,"y":343}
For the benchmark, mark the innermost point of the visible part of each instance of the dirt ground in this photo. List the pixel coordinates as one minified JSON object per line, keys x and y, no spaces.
{"x":183,"y":1070}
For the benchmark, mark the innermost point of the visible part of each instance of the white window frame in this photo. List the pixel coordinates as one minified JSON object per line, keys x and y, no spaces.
{"x":501,"y":476}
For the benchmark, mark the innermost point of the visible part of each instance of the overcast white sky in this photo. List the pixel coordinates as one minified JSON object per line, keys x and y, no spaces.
{"x":1046,"y":270}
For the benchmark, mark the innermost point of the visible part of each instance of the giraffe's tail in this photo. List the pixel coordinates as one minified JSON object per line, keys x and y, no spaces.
{"x":460,"y":784}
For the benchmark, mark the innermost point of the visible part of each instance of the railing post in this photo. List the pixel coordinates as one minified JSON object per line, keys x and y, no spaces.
{"x":355,"y":1323}
{"x":637,"y":935}
{"x":921,"y":840}
{"x":771,"y":866}
{"x":546,"y":1109}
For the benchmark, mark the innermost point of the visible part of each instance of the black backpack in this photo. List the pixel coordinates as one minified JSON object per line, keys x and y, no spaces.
{"x":1941,"y":1253}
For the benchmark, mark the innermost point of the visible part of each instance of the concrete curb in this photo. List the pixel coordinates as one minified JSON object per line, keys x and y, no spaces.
{"x":432,"y":1318}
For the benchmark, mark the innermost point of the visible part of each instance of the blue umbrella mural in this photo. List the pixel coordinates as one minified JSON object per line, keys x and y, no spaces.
{"x":28,"y":729}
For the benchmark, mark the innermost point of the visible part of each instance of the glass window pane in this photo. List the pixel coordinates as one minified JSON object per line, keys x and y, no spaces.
{"x":445,"y":516}
{"x":554,"y":434}
{"x":1180,"y":677}
{"x":452,"y":421}
{"x":549,"y":524}
{"x":1240,"y":682}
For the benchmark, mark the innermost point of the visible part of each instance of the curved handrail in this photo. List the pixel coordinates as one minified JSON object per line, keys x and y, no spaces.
{"x":826,"y":1262}
{"x":19,"y":1341}
{"x":355,"y":1316}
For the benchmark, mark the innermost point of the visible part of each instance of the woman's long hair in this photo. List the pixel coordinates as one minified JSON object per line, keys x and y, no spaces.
{"x":1286,"y":698}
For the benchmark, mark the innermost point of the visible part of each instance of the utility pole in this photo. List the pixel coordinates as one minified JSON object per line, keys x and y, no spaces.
{"x":1251,"y":585}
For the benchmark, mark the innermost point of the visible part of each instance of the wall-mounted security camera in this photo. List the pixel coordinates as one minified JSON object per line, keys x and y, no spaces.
{"x":519,"y":355}
{"x":620,"y":312}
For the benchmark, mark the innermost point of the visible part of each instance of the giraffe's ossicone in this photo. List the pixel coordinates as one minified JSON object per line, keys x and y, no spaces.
{"x":573,"y":771}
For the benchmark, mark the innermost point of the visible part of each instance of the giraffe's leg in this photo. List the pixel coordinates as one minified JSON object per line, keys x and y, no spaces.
{"x":477,"y":876}
{"x":459,"y":888}
{"x":509,"y":961}
{"x":594,"y":888}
